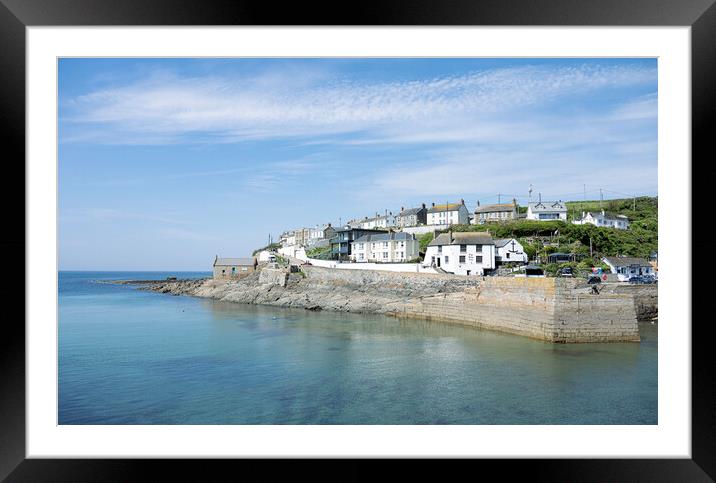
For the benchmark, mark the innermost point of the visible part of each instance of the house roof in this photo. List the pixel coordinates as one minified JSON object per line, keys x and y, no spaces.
{"x":608,"y":216}
{"x":410,"y":211}
{"x":462,"y":238}
{"x":626,"y":261}
{"x":501,"y":242}
{"x":246,"y":261}
{"x":386,"y":237}
{"x":357,"y":228}
{"x":495,"y":207}
{"x":445,"y":207}
{"x":547,"y":206}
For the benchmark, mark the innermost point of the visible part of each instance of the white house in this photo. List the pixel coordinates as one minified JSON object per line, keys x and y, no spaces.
{"x":378,"y":222}
{"x":496,"y":212}
{"x":385,"y":247}
{"x":462,"y":253}
{"x":266,"y":256}
{"x":627,"y":267}
{"x":287,"y":239}
{"x":603,"y":219}
{"x":509,"y":250}
{"x":547,"y":210}
{"x":448,"y":214}
{"x":320,"y":235}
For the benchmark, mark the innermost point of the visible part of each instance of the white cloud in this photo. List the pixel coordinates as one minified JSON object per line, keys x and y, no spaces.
{"x":170,"y":109}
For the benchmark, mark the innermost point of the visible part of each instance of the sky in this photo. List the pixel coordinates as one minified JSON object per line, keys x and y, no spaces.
{"x":165,"y":163}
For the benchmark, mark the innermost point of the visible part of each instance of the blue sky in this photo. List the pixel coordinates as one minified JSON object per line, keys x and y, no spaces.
{"x":164,"y":163}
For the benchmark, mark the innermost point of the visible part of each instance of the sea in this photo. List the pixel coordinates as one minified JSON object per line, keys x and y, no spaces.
{"x":129,"y":356}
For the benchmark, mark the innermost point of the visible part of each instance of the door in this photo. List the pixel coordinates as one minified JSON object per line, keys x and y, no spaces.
{"x":438,"y":261}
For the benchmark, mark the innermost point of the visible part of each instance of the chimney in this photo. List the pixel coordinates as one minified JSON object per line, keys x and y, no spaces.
{"x":462,"y":202}
{"x":433,"y":205}
{"x":478,"y":202}
{"x":329,"y":225}
{"x":602,"y":212}
{"x":449,"y":236}
{"x":423,"y":205}
{"x":402,"y":208}
{"x":583,"y":215}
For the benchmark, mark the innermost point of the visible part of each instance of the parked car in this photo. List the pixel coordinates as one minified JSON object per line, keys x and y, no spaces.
{"x":565,"y":272}
{"x":648,"y":279}
{"x":636,"y":279}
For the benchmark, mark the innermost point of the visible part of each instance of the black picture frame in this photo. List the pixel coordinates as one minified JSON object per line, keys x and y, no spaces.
{"x":16,"y":15}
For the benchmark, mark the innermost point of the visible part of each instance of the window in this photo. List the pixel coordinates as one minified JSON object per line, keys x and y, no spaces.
{"x":385,"y":254}
{"x":360,"y":256}
{"x":360,"y":246}
{"x":440,"y":248}
{"x":447,"y":259}
{"x":478,"y":248}
{"x":385,"y":244}
{"x":478,"y":259}
{"x":463,"y":248}
{"x":462,"y":258}
{"x":508,"y":255}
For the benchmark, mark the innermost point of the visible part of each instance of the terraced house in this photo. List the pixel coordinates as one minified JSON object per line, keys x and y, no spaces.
{"x":496,"y":212}
{"x":389,"y":247}
{"x":341,"y":243}
{"x":412,"y":217}
{"x":448,"y":214}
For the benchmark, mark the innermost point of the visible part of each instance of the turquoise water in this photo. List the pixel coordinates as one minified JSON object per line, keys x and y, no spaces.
{"x":134,"y":357}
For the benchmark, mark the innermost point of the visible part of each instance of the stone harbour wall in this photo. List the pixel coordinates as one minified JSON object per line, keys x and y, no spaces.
{"x":555,"y":310}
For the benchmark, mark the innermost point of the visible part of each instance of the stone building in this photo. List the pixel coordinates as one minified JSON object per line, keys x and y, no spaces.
{"x":228,"y":268}
{"x":496,"y":212}
{"x":412,"y":217}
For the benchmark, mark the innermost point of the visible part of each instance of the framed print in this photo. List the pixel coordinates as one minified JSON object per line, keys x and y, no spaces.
{"x":416,"y":233}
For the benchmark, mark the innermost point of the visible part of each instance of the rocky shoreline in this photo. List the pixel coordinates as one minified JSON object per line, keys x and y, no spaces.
{"x":366,"y":294}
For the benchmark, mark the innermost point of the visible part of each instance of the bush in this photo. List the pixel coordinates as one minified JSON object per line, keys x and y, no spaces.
{"x":271,"y":247}
{"x":424,"y":240}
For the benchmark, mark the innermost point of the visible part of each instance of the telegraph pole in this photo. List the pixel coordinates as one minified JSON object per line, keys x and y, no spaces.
{"x":601,"y":198}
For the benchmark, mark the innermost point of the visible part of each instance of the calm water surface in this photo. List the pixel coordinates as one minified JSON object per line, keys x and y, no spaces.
{"x":133,"y":357}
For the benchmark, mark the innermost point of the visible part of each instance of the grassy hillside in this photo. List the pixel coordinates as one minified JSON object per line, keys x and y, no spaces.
{"x":544,"y":237}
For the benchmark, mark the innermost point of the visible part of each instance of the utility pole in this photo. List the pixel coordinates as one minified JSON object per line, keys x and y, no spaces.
{"x":634,"y":204}
{"x":590,"y":247}
{"x":499,"y":198}
{"x":601,"y":198}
